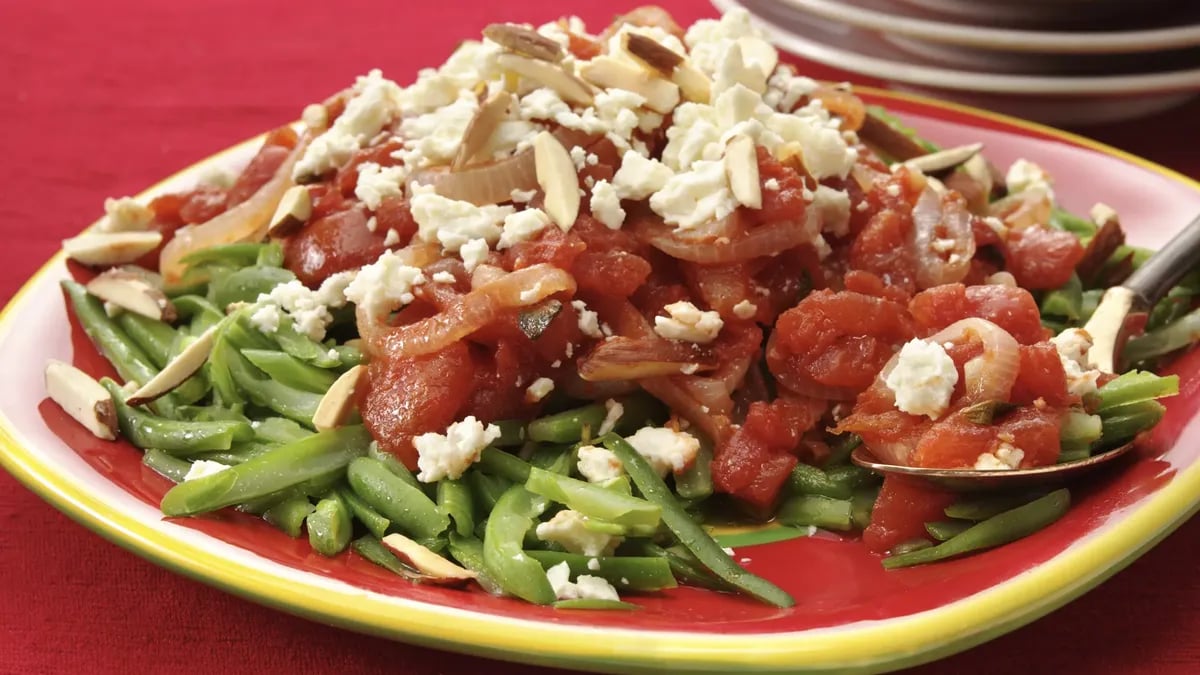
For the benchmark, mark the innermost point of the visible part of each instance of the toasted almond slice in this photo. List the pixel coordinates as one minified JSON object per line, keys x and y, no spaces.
{"x":481,"y":127}
{"x":944,"y":161}
{"x":111,"y":248}
{"x":293,"y":211}
{"x":693,"y":84}
{"x":524,"y":41}
{"x":734,"y":69}
{"x":650,"y":53}
{"x":1102,"y":214}
{"x":557,"y":178}
{"x":565,"y":84}
{"x":759,"y":52}
{"x":178,"y":370}
{"x":605,"y":71}
{"x":131,"y":292}
{"x":82,"y":398}
{"x":440,"y":570}
{"x":741,"y":166}
{"x":336,"y":404}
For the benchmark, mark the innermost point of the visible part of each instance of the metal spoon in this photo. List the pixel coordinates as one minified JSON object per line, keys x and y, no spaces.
{"x":1139,"y":293}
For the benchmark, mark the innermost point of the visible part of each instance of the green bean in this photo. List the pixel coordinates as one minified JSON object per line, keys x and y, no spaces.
{"x":983,"y":506}
{"x":468,"y":551}
{"x":242,"y":254}
{"x":862,"y":503}
{"x":504,"y":557}
{"x":1079,"y":431}
{"x":767,"y":534}
{"x":203,"y":314}
{"x":816,"y":510}
{"x":594,"y":501}
{"x":348,"y":356}
{"x":1065,"y":301}
{"x":1122,"y":423}
{"x":696,"y":480}
{"x":945,"y":529}
{"x":374,"y":521}
{"x":149,"y":431}
{"x":242,"y":334}
{"x":554,"y":458}
{"x":594,"y":604}
{"x":810,"y":480}
{"x":1073,"y":455}
{"x":1133,"y":387}
{"x":454,"y":499}
{"x":329,"y":527}
{"x":290,"y":370}
{"x":405,"y":506}
{"x":689,"y":532}
{"x":485,"y":491}
{"x":316,"y":487}
{"x":270,"y":255}
{"x":279,"y":430}
{"x":239,"y":453}
{"x":289,"y":515}
{"x":246,"y":284}
{"x":169,"y":467}
{"x":1169,"y":338}
{"x":286,"y":466}
{"x":646,"y":573}
{"x":512,"y":433}
{"x":504,"y":464}
{"x":393,"y":464}
{"x":995,"y":531}
{"x":369,"y":547}
{"x":841,"y":448}
{"x":152,"y":336}
{"x":303,"y":347}
{"x":266,"y":392}
{"x":1064,"y":220}
{"x":910,"y":545}
{"x":686,"y":568}
{"x":567,"y":426}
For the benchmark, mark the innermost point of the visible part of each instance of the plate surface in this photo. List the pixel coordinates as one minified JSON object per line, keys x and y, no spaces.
{"x":851,"y":614}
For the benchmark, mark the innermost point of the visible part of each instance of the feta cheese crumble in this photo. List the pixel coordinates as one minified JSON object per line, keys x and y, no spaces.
{"x":745,"y":310}
{"x":923,"y":379}
{"x":377,"y":102}
{"x":539,"y":389}
{"x":568,"y":529}
{"x":376,"y":183}
{"x":202,"y":468}
{"x":696,"y":197}
{"x":665,"y":449}
{"x":452,"y":223}
{"x":606,"y":205}
{"x":1025,"y":175}
{"x":474,"y":253}
{"x":639,"y":177}
{"x":597,"y":464}
{"x":1073,"y":345}
{"x":1004,"y":457}
{"x":448,"y":455}
{"x":589,"y":321}
{"x":124,"y":215}
{"x":585,"y":587}
{"x":613,"y":410}
{"x":687,"y":322}
{"x":522,"y":226}
{"x":385,"y":284}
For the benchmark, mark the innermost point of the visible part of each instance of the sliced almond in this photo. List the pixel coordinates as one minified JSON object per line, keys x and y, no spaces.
{"x":293,"y":211}
{"x":178,"y":370}
{"x":652,"y":54}
{"x":557,"y":178}
{"x":337,"y":403}
{"x":741,"y":166}
{"x":734,"y":69}
{"x":944,"y":161}
{"x":111,"y":248}
{"x":83,"y":398}
{"x":759,"y":52}
{"x":524,"y":41}
{"x":605,"y":71}
{"x":131,"y":292}
{"x":480,"y":129}
{"x":1102,"y":214}
{"x":439,"y":570}
{"x":570,"y":88}
{"x":693,"y":84}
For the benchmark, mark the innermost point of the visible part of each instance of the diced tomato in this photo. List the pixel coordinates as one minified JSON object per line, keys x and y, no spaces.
{"x":883,"y":248}
{"x":500,"y":375}
{"x":614,"y":272}
{"x":283,"y":137}
{"x":550,"y":246}
{"x":583,"y":48}
{"x":394,"y":214}
{"x":1041,"y":376}
{"x":753,"y":467}
{"x":784,"y":280}
{"x":1013,"y":309}
{"x":786,"y":201}
{"x":954,"y":442}
{"x":861,"y":281}
{"x":901,"y":511}
{"x":1035,"y":431}
{"x":1042,"y":257}
{"x":203,"y":204}
{"x":335,"y":243}
{"x":256,"y":174}
{"x":325,"y":201}
{"x":402,"y":398}
{"x":347,"y":176}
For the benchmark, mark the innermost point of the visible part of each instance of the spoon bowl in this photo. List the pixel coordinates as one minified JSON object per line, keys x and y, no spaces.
{"x":991,"y":480}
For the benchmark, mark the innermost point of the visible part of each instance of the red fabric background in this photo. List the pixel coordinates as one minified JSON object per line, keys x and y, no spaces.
{"x":101,"y":99}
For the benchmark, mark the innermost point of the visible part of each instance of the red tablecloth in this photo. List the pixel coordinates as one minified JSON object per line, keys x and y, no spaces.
{"x":101,"y":99}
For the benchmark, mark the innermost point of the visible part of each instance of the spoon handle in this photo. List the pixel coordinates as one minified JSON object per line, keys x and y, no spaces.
{"x":1165,"y":268}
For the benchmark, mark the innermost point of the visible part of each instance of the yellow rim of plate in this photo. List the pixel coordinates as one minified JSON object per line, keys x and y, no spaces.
{"x":864,"y":647}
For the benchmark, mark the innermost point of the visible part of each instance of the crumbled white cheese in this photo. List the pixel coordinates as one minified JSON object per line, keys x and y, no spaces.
{"x":315,"y":117}
{"x":785,"y":89}
{"x":665,"y":449}
{"x":695,"y":197}
{"x":1004,"y":457}
{"x":923,"y":379}
{"x":687,"y":322}
{"x":266,"y":318}
{"x":384,"y":284}
{"x":376,"y":183}
{"x":606,"y":205}
{"x":1025,"y":175}
{"x":202,"y":468}
{"x":308,"y":309}
{"x":372,"y":224}
{"x":585,"y":587}
{"x":474,"y":253}
{"x":522,"y":226}
{"x":834,"y":209}
{"x":597,"y":464}
{"x":771,"y":184}
{"x":589,"y":321}
{"x":613,"y":410}
{"x":522,"y":196}
{"x":594,"y":564}
{"x":376,"y":103}
{"x":444,"y":277}
{"x":1073,"y":345}
{"x":391,"y":238}
{"x":745,"y":310}
{"x":639,"y":177}
{"x":452,"y":223}
{"x":436,"y":88}
{"x":124,"y":215}
{"x":568,"y":529}
{"x":448,"y":455}
{"x":539,"y":389}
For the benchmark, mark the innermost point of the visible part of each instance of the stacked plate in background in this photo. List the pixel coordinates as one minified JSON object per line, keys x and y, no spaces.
{"x":1064,"y":62}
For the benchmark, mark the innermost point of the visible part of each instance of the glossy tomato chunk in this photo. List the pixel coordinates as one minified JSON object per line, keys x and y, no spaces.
{"x":1042,"y":257}
{"x":1041,"y":377}
{"x":1013,"y":309}
{"x":901,"y":511}
{"x":335,"y":243}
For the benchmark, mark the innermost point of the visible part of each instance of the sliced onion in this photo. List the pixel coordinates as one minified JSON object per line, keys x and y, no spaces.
{"x":578,"y":388}
{"x":471,"y":312}
{"x":844,"y":104}
{"x":799,"y":382}
{"x":373,"y":327}
{"x":989,"y":376}
{"x":247,"y":221}
{"x":1023,"y":209}
{"x":666,"y":389}
{"x":624,"y":358}
{"x":942,"y":239}
{"x":765,"y":240}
